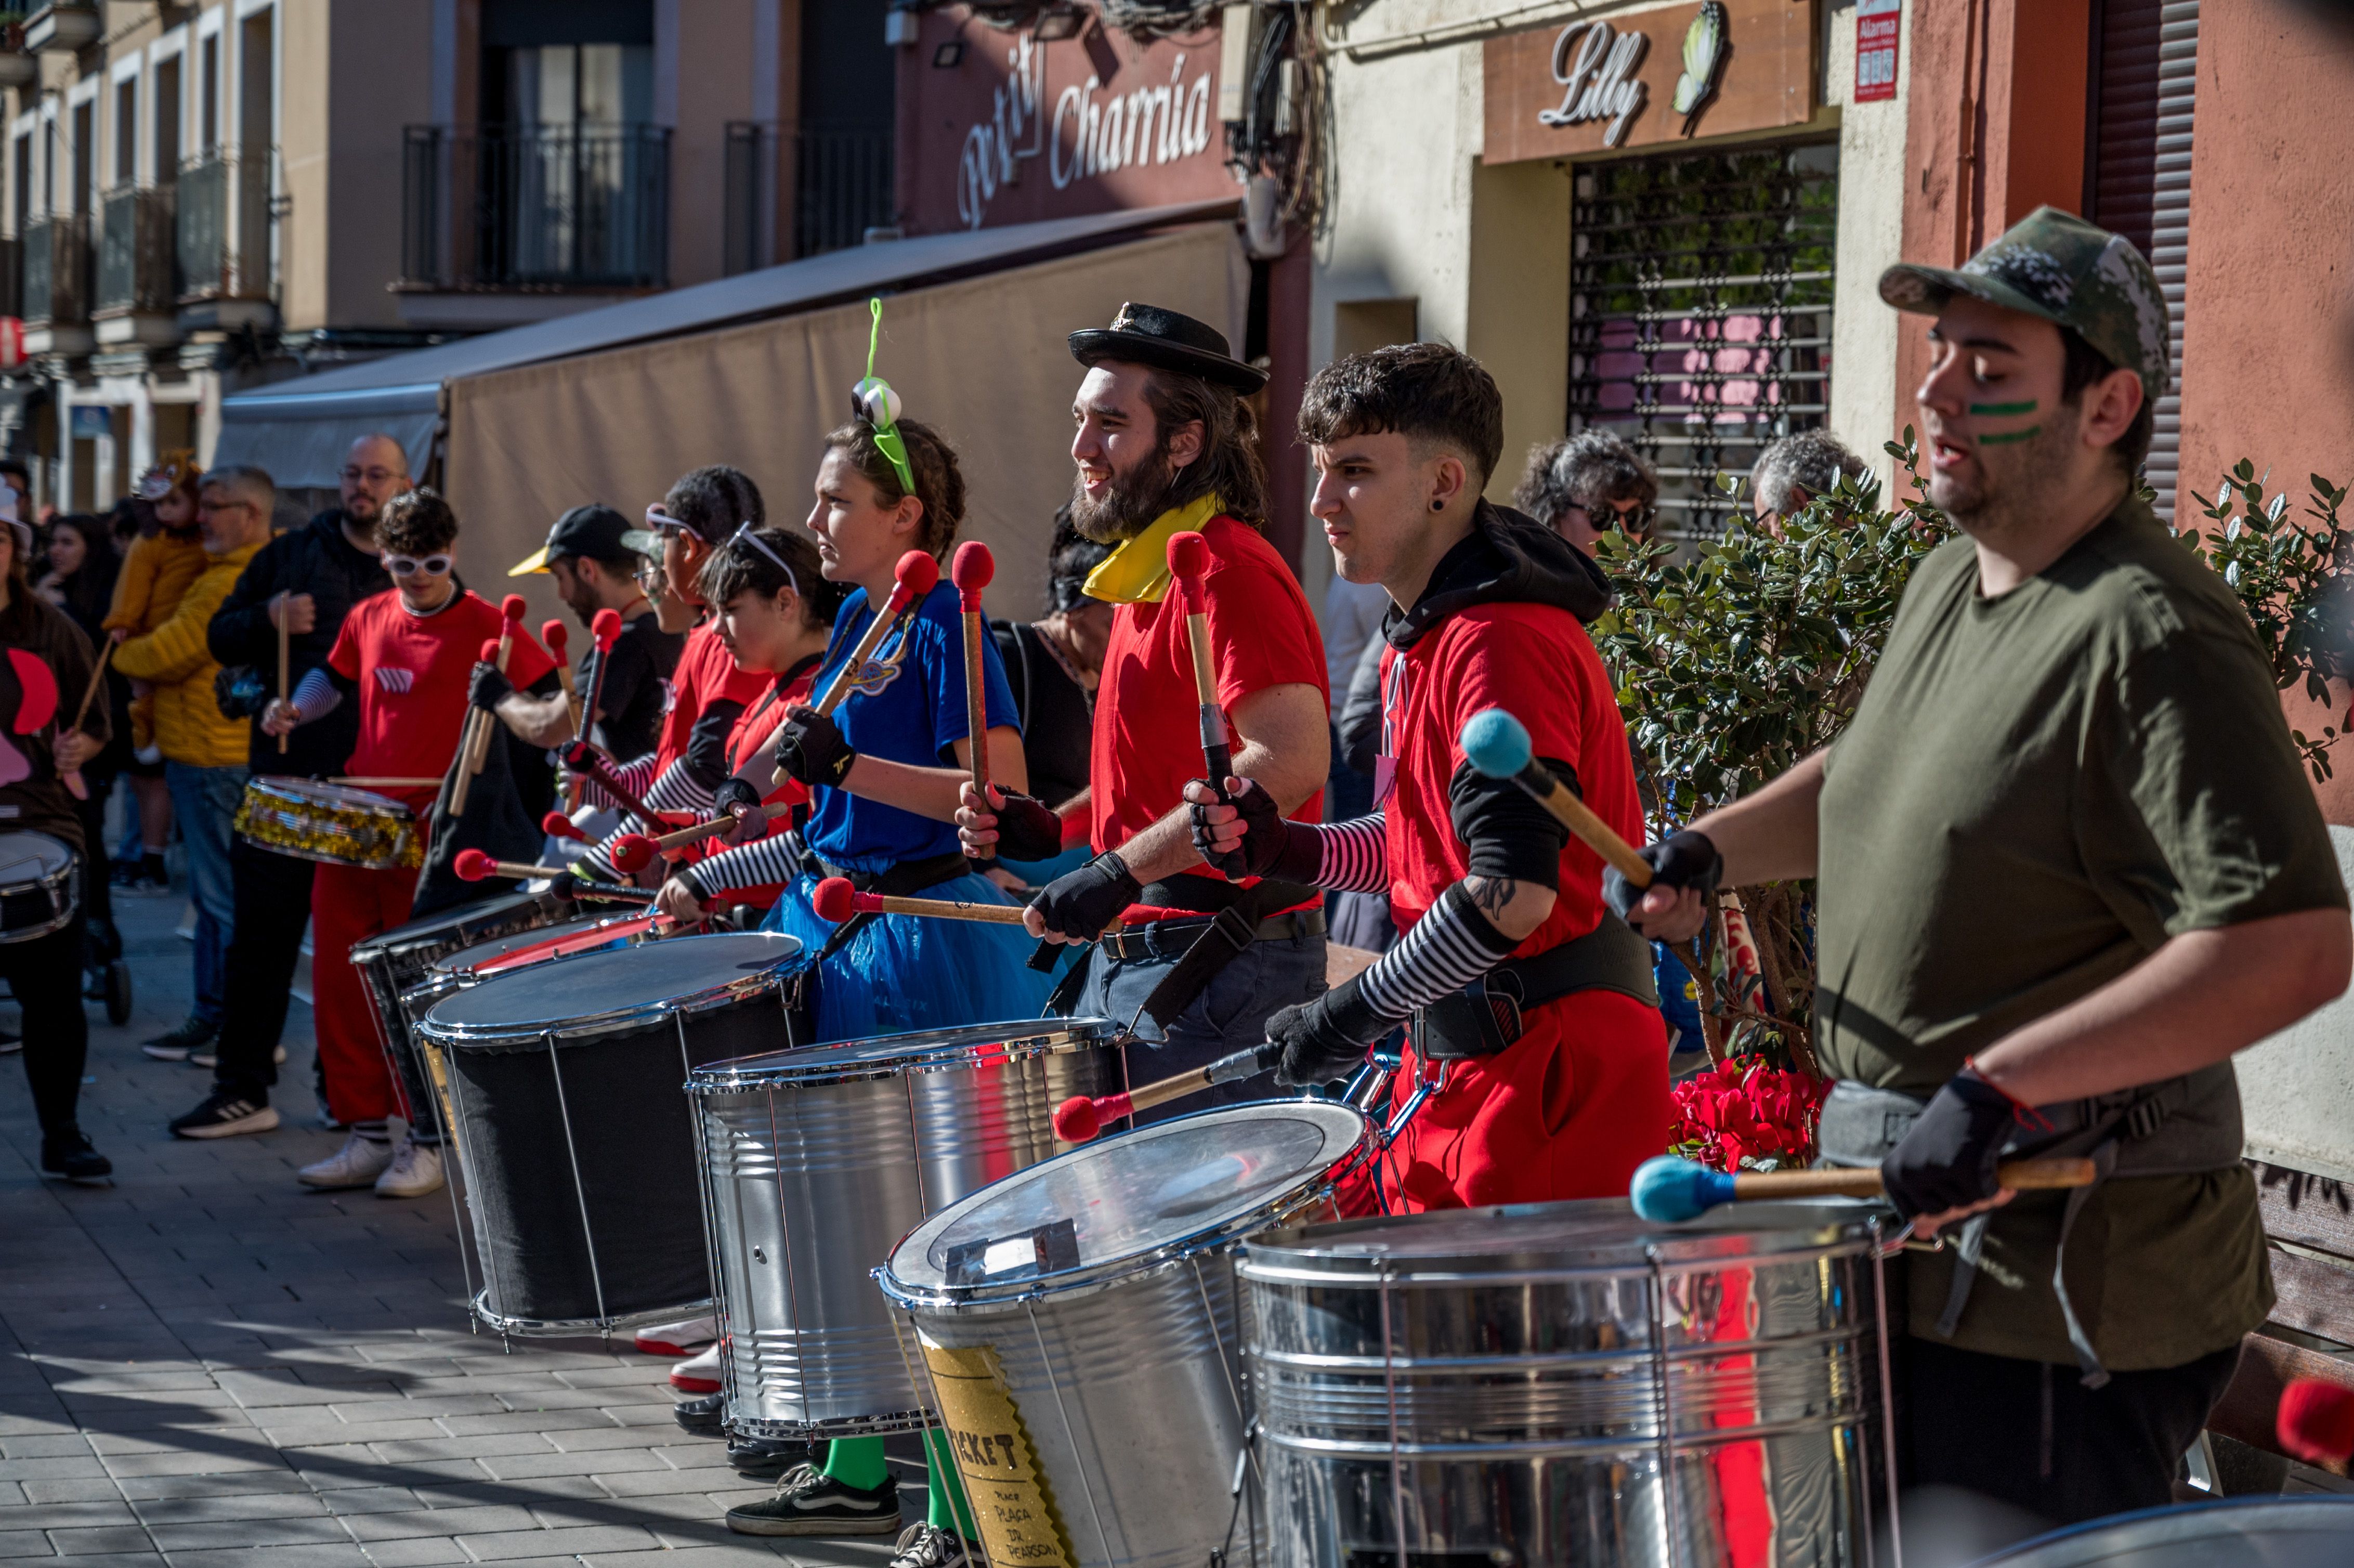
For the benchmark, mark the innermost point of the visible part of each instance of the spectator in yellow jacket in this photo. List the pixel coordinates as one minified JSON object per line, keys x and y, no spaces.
{"x":156,"y":571}
{"x":205,"y":751}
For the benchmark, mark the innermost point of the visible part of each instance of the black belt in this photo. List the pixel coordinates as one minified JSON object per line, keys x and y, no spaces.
{"x":1167,"y":938}
{"x":1485,"y":1016}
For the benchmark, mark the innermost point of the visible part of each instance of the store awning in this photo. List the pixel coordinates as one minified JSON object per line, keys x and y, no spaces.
{"x":298,"y":429}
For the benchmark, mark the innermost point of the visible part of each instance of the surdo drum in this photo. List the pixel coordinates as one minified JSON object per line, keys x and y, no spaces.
{"x":1077,"y":1326}
{"x":818,"y":1160}
{"x":36,"y":886}
{"x":2240,"y":1532}
{"x":580,"y":1152}
{"x":1566,"y":1383}
{"x":331,"y":823}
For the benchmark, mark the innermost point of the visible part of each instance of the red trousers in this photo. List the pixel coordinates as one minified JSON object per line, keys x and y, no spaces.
{"x":348,"y":905}
{"x":1567,"y":1111}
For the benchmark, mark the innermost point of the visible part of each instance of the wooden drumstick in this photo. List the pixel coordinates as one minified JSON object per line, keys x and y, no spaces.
{"x":604,"y":631}
{"x":1189,"y":563}
{"x":697,"y":833}
{"x":461,"y":775}
{"x":511,"y":611}
{"x":837,"y":902}
{"x":1081,"y":1116}
{"x":915,"y":575}
{"x":362,"y":781}
{"x":474,"y":865}
{"x":972,"y":570}
{"x":72,"y":776}
{"x":1668,"y":1189}
{"x":283,"y":662}
{"x":558,"y":641}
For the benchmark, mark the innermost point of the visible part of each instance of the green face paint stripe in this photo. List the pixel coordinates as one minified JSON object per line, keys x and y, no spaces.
{"x":2011,"y":438}
{"x":2002,"y":408}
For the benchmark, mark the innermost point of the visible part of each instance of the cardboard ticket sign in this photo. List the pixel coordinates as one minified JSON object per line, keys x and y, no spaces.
{"x":1013,"y":1507}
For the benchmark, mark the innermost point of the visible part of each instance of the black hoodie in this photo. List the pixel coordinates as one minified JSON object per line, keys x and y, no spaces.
{"x":1509,"y":557}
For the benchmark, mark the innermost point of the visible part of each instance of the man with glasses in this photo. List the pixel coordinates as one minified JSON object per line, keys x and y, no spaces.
{"x":204,"y":750}
{"x":1586,"y":485}
{"x":311,"y":578}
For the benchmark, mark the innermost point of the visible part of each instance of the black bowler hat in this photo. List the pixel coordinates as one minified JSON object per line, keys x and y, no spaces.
{"x":594,"y":531}
{"x":1147,"y":334}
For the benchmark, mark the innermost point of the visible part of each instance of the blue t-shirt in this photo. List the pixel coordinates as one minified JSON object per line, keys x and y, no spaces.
{"x":907,"y":706}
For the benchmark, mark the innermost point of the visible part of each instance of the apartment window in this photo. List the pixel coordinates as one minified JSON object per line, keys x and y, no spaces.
{"x":126,"y":131}
{"x":84,"y":154}
{"x":167,"y":121}
{"x":208,"y":94}
{"x":20,"y":172}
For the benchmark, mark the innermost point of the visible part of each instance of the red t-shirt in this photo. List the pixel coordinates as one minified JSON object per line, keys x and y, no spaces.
{"x":706,"y":673}
{"x":1148,"y":739}
{"x":412,"y":671}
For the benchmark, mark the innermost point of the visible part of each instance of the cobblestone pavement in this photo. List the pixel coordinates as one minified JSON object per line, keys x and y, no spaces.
{"x":206,"y":1364}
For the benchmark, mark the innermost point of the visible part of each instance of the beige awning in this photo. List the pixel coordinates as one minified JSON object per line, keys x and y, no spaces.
{"x":981,"y":360}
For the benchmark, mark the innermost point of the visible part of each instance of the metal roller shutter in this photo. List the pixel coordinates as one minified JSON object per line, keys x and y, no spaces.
{"x":2137,"y":181}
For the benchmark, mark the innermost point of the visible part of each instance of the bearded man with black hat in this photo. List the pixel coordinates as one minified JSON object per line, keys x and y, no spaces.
{"x":1166,"y":444}
{"x":595,"y":570}
{"x":2066,"y":865}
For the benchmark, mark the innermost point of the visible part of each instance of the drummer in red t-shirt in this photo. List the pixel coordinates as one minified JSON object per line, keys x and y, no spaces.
{"x":1166,"y":444}
{"x":408,"y":658}
{"x":1536,"y":999}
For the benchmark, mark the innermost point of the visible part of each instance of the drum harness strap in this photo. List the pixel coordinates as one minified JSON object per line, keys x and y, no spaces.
{"x":2179,"y":1127}
{"x":1488,"y":1015}
{"x":1238,"y":917}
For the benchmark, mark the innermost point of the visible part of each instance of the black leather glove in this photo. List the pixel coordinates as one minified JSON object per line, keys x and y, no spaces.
{"x":1682,"y":859}
{"x":1080,"y":904}
{"x":1271,"y":846}
{"x":810,"y":750}
{"x":752,"y":825}
{"x":1027,"y":828}
{"x":1946,"y":1160}
{"x":487,"y":686}
{"x":1324,"y":1038}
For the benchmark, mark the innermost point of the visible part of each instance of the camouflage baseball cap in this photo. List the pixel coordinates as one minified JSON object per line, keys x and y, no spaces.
{"x":2054,"y":265}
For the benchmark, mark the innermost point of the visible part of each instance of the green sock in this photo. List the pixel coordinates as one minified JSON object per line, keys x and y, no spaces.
{"x":857,"y":1462}
{"x":948,"y":1510}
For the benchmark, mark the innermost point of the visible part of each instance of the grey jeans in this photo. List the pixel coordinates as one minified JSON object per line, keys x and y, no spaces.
{"x":1229,"y":1016}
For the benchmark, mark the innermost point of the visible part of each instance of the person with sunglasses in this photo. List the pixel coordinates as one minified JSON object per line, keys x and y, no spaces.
{"x":407,"y":659}
{"x":1587,"y":485}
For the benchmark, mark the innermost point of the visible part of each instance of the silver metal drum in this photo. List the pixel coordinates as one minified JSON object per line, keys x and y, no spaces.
{"x":816,"y":1161}
{"x":2241,"y":1532}
{"x":37,"y":895}
{"x":1078,"y":1324}
{"x":577,"y":1143}
{"x":1566,"y":1383}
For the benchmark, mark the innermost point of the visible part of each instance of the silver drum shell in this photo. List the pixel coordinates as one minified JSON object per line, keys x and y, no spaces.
{"x":1507,"y":1406}
{"x":809,"y":1183}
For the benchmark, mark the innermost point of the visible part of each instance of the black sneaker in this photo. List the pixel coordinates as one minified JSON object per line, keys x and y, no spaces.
{"x":809,"y":1503}
{"x":69,"y":1155}
{"x":929,"y":1546}
{"x":175,"y":1045}
{"x":226,"y":1114}
{"x":701,"y":1416}
{"x":768,"y":1458}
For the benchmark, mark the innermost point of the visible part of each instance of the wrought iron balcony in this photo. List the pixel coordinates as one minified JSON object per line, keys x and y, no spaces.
{"x":222,"y":227}
{"x":57,"y":270}
{"x":832,"y":186}
{"x":535,"y":207}
{"x":138,"y":258}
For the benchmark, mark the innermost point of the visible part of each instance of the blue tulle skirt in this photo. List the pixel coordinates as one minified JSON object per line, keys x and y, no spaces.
{"x":901,"y":972}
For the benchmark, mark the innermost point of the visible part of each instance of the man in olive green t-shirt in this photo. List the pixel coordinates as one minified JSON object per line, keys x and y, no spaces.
{"x":2067,"y":866}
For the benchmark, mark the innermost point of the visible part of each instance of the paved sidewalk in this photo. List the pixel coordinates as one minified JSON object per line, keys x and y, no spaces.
{"x":206,"y":1364}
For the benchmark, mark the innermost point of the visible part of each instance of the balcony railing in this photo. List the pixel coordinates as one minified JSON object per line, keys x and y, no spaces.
{"x":536,"y":208}
{"x":222,"y":226}
{"x":831,"y":184}
{"x":138,"y":258}
{"x":57,"y":270}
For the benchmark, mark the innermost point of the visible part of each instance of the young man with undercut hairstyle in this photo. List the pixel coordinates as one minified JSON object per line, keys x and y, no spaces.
{"x":1534,"y":1001}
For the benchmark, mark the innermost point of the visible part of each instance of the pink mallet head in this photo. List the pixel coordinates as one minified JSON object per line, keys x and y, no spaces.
{"x":1080,"y":1118}
{"x":916,"y":575}
{"x":513,"y":607}
{"x":553,"y":633}
{"x":605,"y":630}
{"x":474,"y":865}
{"x":834,"y":900}
{"x":971,"y":570}
{"x":632,"y":852}
{"x":557,"y":825}
{"x":490,"y":651}
{"x":1189,"y":563}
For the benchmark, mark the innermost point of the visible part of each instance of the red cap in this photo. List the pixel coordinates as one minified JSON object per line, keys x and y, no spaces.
{"x":605,"y":628}
{"x":490,"y":651}
{"x":834,"y":900}
{"x":552,"y":632}
{"x":1189,"y":562}
{"x":555,"y":825}
{"x":513,"y":607}
{"x":472,"y":865}
{"x":916,"y":574}
{"x":971,"y":570}
{"x":2315,"y":1422}
{"x":632,"y":852}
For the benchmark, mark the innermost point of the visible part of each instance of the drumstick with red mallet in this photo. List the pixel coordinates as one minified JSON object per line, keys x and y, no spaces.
{"x":972,"y":570}
{"x":476,"y":865}
{"x":460,"y":776}
{"x":1081,"y":1116}
{"x":915,"y":575}
{"x":634,"y":850}
{"x":558,"y":638}
{"x":604,"y":631}
{"x":480,"y":724}
{"x":1189,"y":563}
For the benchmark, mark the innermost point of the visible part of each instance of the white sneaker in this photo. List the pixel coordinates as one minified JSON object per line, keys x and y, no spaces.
{"x":356,"y":1164}
{"x":682,"y":1338}
{"x":415,"y":1170}
{"x":699,"y":1373}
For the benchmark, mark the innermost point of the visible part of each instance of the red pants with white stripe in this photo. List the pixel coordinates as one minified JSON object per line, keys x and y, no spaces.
{"x":348,"y":905}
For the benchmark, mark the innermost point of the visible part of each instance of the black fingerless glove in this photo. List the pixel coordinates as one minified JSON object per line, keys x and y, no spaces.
{"x":1324,"y":1038}
{"x":487,"y":686}
{"x":810,"y":750}
{"x":1080,"y":904}
{"x":734,"y":792}
{"x":1027,"y":829}
{"x":1271,"y":846}
{"x":1682,"y":859}
{"x":1947,"y":1158}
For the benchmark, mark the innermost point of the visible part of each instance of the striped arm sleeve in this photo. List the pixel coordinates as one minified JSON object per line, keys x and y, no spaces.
{"x":764,"y":862}
{"x":1451,"y":946}
{"x":314,"y":696}
{"x":1354,"y":855}
{"x":681,"y":788}
{"x":634,"y":776}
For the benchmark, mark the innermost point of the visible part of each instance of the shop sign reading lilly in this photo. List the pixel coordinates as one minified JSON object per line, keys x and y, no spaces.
{"x":1092,"y":131}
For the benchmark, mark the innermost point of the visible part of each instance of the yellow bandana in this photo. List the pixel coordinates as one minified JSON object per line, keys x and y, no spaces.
{"x":1138,"y":572}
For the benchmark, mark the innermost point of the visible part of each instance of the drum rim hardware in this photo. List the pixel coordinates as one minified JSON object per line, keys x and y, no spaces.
{"x":824,"y":1063}
{"x":531,"y":1033}
{"x":447,"y":967}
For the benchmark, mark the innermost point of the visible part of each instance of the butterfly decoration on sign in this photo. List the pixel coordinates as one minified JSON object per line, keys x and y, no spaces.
{"x":1704,"y":51}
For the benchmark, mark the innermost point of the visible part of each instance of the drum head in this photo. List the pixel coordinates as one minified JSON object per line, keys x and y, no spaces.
{"x":593,"y":992}
{"x":1165,"y":1190}
{"x":2245,"y":1532}
{"x":29,"y":859}
{"x":918,"y":1051}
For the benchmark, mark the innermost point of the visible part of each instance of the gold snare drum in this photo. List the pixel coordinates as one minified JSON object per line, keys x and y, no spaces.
{"x":330,"y":823}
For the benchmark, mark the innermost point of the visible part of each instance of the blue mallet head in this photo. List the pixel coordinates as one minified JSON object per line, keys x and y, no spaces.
{"x":1496,"y":743}
{"x":1668,"y":1189}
